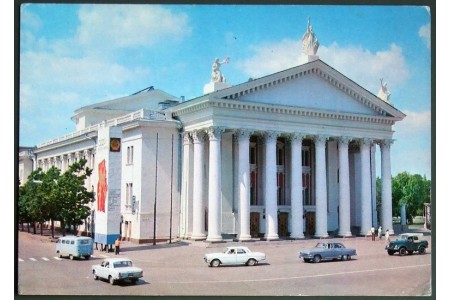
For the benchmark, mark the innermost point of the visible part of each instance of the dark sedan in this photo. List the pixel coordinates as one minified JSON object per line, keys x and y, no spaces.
{"x":327,"y":251}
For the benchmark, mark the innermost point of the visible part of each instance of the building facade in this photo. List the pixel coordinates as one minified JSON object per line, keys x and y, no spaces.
{"x":288,"y":155}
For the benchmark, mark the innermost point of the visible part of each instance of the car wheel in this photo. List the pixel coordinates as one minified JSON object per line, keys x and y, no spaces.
{"x":87,"y":256}
{"x":317,"y":258}
{"x":95,"y":275}
{"x":251,"y":262}
{"x":215,"y":263}
{"x":422,"y":250}
{"x":346,"y":257}
{"x":71,"y":256}
{"x":111,"y":280}
{"x":402,"y":251}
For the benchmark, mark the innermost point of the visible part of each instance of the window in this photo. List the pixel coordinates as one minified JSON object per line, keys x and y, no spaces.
{"x":130,"y":150}
{"x":306,"y":162}
{"x":253,"y":188}
{"x":306,"y":179}
{"x":129,"y":194}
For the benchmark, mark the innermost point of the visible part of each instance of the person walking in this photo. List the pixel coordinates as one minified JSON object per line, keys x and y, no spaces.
{"x":380,"y":233}
{"x":387,"y":236}
{"x":372,"y":231}
{"x":117,"y":246}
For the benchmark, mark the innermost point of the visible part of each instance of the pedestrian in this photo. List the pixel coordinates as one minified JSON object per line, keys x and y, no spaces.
{"x":117,"y":245}
{"x":372,"y":230}
{"x":380,"y":233}
{"x":387,"y":236}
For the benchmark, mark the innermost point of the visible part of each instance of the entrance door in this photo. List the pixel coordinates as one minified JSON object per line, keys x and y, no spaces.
{"x":310,"y":223}
{"x":254,"y":224}
{"x":283,"y":224}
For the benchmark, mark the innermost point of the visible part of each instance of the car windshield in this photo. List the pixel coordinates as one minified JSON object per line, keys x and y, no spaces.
{"x":84,"y":242}
{"x":123,"y":264}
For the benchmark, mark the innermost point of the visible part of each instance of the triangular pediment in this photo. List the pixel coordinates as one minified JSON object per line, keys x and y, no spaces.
{"x":314,"y":86}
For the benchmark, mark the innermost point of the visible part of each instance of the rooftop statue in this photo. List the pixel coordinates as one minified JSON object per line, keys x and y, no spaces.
{"x":383,"y":93}
{"x":310,"y":44}
{"x":216,"y":75}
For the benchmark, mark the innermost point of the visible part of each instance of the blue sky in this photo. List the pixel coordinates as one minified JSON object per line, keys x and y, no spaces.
{"x":77,"y":55}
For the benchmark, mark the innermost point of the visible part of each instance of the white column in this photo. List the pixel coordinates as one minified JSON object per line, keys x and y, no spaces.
{"x":373,"y":178}
{"x":270,"y":187}
{"x":215,"y":186}
{"x":185,"y":186}
{"x":344,"y":188}
{"x":321,"y":188}
{"x":244,"y":184}
{"x":386,"y":187}
{"x":366,"y":192}
{"x":198,"y":215}
{"x":296,"y":186}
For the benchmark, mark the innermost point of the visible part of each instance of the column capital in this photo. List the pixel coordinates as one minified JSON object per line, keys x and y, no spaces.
{"x":215,"y":133}
{"x":186,"y":138}
{"x":321,"y":139}
{"x":365,"y":141}
{"x":344,"y":140}
{"x":270,"y":135}
{"x":386,"y":142}
{"x":243,"y":134}
{"x":197,"y":136}
{"x":297,"y":136}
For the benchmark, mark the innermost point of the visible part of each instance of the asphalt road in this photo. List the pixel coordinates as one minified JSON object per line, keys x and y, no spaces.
{"x":178,"y":269}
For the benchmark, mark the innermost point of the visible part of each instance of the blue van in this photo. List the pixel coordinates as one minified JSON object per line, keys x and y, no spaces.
{"x":75,"y":247}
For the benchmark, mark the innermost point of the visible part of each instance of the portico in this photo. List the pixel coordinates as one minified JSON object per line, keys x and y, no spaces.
{"x":271,"y":146}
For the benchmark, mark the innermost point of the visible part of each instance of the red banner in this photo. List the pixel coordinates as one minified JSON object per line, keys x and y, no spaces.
{"x":102,"y":186}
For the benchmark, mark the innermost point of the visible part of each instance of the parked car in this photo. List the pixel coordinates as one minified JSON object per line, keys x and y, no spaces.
{"x":407,"y":243}
{"x":75,"y":247}
{"x":327,"y":251}
{"x":234,"y":256}
{"x":117,"y":269}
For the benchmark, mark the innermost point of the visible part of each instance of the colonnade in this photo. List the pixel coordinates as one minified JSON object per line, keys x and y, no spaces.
{"x":199,"y":137}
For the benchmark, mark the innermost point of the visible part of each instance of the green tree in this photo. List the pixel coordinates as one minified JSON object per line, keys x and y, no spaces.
{"x":73,"y":195}
{"x":30,"y":199}
{"x":412,"y":191}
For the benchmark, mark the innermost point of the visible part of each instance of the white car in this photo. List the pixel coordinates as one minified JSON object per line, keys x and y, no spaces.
{"x":117,"y":269}
{"x":234,"y":256}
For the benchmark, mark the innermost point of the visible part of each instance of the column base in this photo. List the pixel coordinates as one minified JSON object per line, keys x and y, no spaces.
{"x":321,"y":235}
{"x":198,"y":237}
{"x":244,"y":237}
{"x":217,"y":238}
{"x":345,"y":234}
{"x":297,"y":236}
{"x":272,"y":237}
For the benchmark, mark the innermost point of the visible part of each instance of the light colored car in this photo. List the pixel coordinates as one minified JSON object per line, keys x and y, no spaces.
{"x":117,"y":269}
{"x":75,"y":247}
{"x":327,"y":251}
{"x":234,"y":256}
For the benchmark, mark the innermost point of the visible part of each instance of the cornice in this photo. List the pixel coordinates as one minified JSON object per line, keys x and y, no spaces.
{"x":281,"y":109}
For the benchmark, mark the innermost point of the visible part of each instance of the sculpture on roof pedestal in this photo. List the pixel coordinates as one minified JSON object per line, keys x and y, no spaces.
{"x":216,"y":75}
{"x":310,"y":43}
{"x":218,"y":81}
{"x":383,"y":93}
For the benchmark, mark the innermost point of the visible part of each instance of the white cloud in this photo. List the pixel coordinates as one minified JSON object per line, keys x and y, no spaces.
{"x":413,"y":144}
{"x":135,"y":26}
{"x":360,"y":65}
{"x":47,"y":71}
{"x":270,"y":58}
{"x":425,"y":34}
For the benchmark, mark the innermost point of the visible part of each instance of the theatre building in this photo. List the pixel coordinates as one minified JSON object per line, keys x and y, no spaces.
{"x":288,"y":155}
